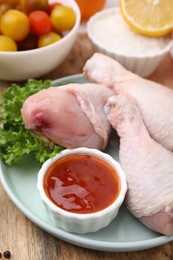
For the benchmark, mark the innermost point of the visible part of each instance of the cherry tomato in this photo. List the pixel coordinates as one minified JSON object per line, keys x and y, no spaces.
{"x":15,"y":24}
{"x":29,"y":43}
{"x":63,"y":18}
{"x":48,"y":39}
{"x":28,"y":6}
{"x":90,"y":7}
{"x":11,"y":2}
{"x":52,"y":6}
{"x":5,"y":7}
{"x":40,"y":22}
{"x":7,"y":44}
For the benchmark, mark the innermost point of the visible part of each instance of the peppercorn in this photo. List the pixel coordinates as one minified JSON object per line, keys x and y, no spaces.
{"x":7,"y":254}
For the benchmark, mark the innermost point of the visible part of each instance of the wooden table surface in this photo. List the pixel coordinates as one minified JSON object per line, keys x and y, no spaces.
{"x":24,"y":239}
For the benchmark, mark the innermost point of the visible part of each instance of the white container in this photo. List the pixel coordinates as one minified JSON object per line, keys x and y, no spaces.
{"x":112,"y":36}
{"x":22,"y":65}
{"x":75,"y":222}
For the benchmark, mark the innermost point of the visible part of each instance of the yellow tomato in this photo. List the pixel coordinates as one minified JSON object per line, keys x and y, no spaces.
{"x":0,"y":22}
{"x":7,"y":44}
{"x":48,"y":39}
{"x":63,"y":18}
{"x":15,"y":24}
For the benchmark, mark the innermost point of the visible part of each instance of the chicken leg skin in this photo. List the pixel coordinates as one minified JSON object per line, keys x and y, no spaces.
{"x":154,"y":100}
{"x":71,"y":115}
{"x":147,"y":165}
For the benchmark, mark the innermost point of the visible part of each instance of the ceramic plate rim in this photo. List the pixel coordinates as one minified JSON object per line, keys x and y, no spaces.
{"x":73,"y":238}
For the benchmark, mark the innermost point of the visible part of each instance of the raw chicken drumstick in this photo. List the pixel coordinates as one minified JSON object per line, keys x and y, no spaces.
{"x":148,"y":167}
{"x":70,"y":116}
{"x":154,"y":100}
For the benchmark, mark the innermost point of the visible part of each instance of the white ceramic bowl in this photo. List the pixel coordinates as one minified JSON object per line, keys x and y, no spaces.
{"x":34,"y":63}
{"x":112,"y":36}
{"x":76,"y":222}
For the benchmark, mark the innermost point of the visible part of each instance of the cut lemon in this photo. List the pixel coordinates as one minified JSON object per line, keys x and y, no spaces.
{"x":148,"y":17}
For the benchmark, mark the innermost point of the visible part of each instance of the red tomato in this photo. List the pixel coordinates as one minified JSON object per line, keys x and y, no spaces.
{"x":52,"y":6}
{"x":29,"y":43}
{"x":40,"y":22}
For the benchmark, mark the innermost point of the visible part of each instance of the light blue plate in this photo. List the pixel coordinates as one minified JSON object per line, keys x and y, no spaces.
{"x":125,"y":233}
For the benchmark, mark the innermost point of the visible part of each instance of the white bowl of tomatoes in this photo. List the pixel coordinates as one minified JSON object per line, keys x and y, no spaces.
{"x":35,"y":41}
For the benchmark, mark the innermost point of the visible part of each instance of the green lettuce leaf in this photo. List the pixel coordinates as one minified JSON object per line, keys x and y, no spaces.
{"x":15,"y":140}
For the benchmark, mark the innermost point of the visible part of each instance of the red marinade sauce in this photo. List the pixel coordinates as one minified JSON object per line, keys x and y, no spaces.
{"x":81,"y":184}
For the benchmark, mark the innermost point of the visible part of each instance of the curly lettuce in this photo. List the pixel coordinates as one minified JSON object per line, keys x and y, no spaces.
{"x":16,"y":141}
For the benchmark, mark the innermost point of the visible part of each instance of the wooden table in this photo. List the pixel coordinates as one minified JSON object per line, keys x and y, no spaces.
{"x":28,"y":242}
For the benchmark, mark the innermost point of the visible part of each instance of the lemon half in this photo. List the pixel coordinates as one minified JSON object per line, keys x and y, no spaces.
{"x":148,"y":17}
